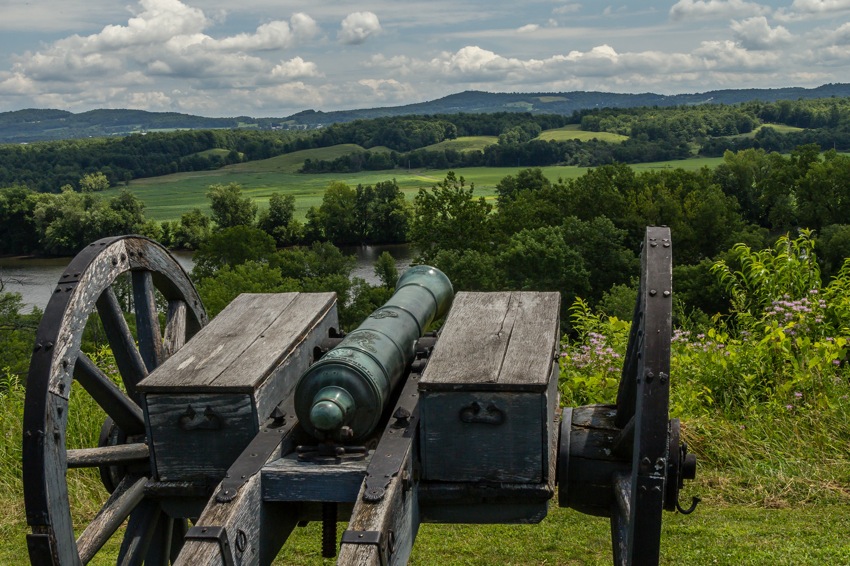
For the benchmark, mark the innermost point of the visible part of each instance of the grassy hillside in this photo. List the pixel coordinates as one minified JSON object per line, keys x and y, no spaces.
{"x":169,"y":196}
{"x":574,"y":132}
{"x":465,"y":143}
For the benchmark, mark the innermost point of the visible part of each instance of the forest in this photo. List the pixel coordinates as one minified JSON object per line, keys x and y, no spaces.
{"x":653,"y":134}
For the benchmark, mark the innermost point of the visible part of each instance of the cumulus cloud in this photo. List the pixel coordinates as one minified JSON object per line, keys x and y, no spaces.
{"x":715,"y":9}
{"x":270,"y":36}
{"x":357,"y":27}
{"x":528,"y":28}
{"x":295,"y":68}
{"x":755,"y":33}
{"x":806,"y":9}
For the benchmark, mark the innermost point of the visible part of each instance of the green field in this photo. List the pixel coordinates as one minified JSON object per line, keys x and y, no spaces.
{"x":574,"y":132}
{"x":169,"y":196}
{"x":466,"y":143}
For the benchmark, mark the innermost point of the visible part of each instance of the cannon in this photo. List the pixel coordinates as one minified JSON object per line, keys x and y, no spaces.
{"x":269,"y":416}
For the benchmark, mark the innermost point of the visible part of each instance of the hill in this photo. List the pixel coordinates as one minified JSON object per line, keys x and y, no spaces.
{"x":30,"y":125}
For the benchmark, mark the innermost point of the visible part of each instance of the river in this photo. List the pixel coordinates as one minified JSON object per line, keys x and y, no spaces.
{"x":35,"y":278}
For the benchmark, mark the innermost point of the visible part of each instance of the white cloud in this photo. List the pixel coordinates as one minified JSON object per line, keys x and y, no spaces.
{"x":528,"y":28}
{"x":295,"y":68}
{"x":357,"y":27}
{"x":755,"y":33}
{"x":715,"y":9}
{"x":568,"y":8}
{"x":807,"y":9}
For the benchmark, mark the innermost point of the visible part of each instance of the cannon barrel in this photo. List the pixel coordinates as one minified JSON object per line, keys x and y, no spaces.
{"x":342,"y":396}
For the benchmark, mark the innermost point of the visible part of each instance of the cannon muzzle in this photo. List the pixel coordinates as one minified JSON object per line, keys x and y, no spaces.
{"x":342,"y":396}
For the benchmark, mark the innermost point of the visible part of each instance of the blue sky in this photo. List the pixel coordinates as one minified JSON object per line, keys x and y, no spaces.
{"x":274,"y":58}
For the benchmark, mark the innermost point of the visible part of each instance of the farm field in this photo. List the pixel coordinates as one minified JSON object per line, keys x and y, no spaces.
{"x":574,"y":132}
{"x":169,"y":196}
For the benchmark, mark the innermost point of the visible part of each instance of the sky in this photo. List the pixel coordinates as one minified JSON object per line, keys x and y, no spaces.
{"x":272,"y":58}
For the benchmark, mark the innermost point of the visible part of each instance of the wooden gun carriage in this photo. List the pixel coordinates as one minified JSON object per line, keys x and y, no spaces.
{"x":267,"y":417}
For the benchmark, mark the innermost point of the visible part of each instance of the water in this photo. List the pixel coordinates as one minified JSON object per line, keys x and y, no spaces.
{"x":35,"y":279}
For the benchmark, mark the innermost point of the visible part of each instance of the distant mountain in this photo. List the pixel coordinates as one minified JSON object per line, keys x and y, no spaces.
{"x":32,"y":125}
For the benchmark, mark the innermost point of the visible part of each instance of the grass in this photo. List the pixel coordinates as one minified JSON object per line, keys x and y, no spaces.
{"x":465,"y":143}
{"x":574,"y":132}
{"x":169,"y":196}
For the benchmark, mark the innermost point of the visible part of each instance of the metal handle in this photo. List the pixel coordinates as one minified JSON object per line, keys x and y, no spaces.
{"x":474,"y":414}
{"x":190,"y":420}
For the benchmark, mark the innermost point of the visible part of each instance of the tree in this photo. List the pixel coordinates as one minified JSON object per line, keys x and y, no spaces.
{"x":229,"y":207}
{"x":448,"y":217}
{"x":386,"y":270}
{"x":390,"y":214}
{"x":17,"y":221}
{"x":219,"y":289}
{"x":94,"y":182}
{"x":338,"y":214}
{"x":232,"y":246}
{"x":192,"y":231}
{"x":278,"y":220}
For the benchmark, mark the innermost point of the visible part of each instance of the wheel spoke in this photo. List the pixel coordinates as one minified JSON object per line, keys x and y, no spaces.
{"x":179,"y":529}
{"x":621,"y":518}
{"x":108,"y":455}
{"x":175,"y":328}
{"x":140,"y":531}
{"x":159,"y":549}
{"x":117,"y":508}
{"x":123,"y":410}
{"x":147,"y":319}
{"x":127,"y":357}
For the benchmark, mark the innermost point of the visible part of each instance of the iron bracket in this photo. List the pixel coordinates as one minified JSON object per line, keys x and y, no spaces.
{"x":217,"y":534}
{"x":376,"y":538}
{"x":389,"y":457}
{"x":255,"y":455}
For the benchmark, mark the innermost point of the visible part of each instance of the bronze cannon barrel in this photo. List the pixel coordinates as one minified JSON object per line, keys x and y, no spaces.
{"x":343,"y":395}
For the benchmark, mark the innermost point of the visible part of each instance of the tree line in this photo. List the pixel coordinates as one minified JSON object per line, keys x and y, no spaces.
{"x":654,"y":134}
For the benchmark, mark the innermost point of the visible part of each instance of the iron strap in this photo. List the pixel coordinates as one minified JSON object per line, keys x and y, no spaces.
{"x":217,"y":534}
{"x":375,"y":538}
{"x":255,"y":455}
{"x":390,"y":455}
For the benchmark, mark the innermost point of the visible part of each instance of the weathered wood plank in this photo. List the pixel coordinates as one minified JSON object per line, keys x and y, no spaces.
{"x":197,"y":437}
{"x":147,"y":319}
{"x":244,"y":344}
{"x":489,"y":391}
{"x":288,"y":479}
{"x":256,"y":530}
{"x":118,"y":507}
{"x":175,"y":328}
{"x":506,"y":444}
{"x":500,"y":341}
{"x":396,"y":515}
{"x":220,"y":343}
{"x":107,"y":455}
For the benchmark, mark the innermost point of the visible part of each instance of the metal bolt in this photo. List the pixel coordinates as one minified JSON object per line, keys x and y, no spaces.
{"x":649,"y":376}
{"x":652,"y":292}
{"x":663,"y":376}
{"x":666,"y":293}
{"x":653,"y":244}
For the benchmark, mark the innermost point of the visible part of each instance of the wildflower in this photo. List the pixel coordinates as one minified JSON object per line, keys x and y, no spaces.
{"x":798,"y":395}
{"x":836,"y":362}
{"x":789,"y":407}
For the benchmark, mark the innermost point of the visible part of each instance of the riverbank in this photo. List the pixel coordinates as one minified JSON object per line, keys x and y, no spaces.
{"x":35,"y":277}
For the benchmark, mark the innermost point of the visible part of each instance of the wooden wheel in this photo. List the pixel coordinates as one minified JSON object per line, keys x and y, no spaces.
{"x":122,"y":456}
{"x":642,"y":409}
{"x":625,"y":461}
